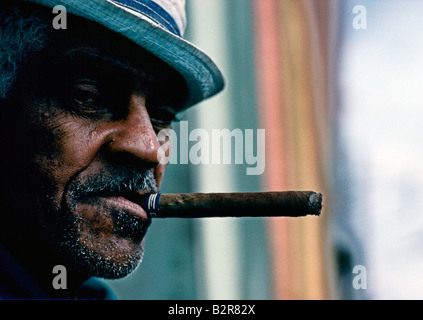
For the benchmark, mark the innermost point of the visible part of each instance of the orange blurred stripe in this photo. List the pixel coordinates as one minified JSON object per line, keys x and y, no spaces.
{"x":271,"y":115}
{"x":294,"y":111}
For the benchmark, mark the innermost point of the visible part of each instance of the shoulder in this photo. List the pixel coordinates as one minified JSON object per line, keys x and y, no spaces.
{"x":95,"y":289}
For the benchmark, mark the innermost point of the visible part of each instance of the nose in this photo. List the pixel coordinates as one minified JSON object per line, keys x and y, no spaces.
{"x":133,"y":139}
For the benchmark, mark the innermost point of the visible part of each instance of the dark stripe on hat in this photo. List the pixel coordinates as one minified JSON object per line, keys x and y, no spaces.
{"x":153,"y":11}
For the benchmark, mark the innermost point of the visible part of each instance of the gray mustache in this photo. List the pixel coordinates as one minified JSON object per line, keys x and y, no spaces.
{"x":116,"y":180}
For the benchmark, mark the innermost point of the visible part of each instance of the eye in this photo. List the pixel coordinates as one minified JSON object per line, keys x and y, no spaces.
{"x":87,"y":95}
{"x":162,"y":117}
{"x":87,"y":99}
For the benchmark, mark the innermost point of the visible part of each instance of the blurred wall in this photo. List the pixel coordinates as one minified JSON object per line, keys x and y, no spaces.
{"x":379,"y":150}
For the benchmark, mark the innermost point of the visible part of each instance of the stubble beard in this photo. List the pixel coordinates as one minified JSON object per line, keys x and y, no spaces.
{"x":88,"y":249}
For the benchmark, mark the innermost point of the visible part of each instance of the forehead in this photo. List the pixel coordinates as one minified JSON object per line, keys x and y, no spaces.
{"x":85,"y":58}
{"x":103,"y":49}
{"x":86,"y":45}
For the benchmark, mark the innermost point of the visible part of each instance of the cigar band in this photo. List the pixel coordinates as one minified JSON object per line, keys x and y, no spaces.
{"x":151,"y":204}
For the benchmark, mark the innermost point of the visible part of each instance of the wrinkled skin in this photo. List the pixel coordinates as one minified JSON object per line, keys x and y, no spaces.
{"x":80,"y":150}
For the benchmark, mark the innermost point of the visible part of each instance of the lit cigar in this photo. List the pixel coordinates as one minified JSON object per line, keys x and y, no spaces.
{"x":250,"y":204}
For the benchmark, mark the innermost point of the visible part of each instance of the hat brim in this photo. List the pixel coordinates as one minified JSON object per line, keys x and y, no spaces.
{"x":201,"y":74}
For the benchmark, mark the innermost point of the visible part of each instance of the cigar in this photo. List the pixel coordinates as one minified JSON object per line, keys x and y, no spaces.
{"x":249,"y":204}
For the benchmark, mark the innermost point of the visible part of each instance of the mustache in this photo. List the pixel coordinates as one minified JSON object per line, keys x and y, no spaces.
{"x":114,"y":181}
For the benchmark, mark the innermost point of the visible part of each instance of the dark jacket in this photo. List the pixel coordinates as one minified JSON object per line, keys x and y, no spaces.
{"x":16,"y":283}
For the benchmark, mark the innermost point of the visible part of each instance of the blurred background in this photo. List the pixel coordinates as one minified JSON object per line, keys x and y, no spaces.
{"x":336,"y":84}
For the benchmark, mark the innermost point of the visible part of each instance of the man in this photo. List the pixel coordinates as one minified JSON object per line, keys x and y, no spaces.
{"x":81,"y":108}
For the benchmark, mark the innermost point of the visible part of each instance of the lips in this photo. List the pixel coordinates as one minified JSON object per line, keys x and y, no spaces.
{"x":112,"y":213}
{"x":129,"y":202}
{"x":126,"y":205}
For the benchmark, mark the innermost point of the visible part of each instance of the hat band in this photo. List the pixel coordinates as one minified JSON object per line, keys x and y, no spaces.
{"x":153,"y":11}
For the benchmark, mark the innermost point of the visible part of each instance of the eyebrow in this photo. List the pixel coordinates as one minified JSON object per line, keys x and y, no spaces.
{"x":90,"y":60}
{"x":140,"y":75}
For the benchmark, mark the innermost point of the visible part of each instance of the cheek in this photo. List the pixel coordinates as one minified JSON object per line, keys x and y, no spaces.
{"x":76,"y":145}
{"x":67,"y":149}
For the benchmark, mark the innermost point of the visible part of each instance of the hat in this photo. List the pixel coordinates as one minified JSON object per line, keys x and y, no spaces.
{"x":158,"y":27}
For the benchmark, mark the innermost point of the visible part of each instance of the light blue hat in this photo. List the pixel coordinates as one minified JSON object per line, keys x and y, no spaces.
{"x":157,"y":26}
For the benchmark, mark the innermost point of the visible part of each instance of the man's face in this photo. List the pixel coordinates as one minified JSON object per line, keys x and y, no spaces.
{"x":85,"y":119}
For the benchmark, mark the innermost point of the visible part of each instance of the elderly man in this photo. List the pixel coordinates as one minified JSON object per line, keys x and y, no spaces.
{"x":81,"y":108}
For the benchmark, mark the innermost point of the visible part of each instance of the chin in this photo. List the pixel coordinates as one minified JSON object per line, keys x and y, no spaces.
{"x":100,"y":240}
{"x":110,"y":258}
{"x":104,"y":250}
